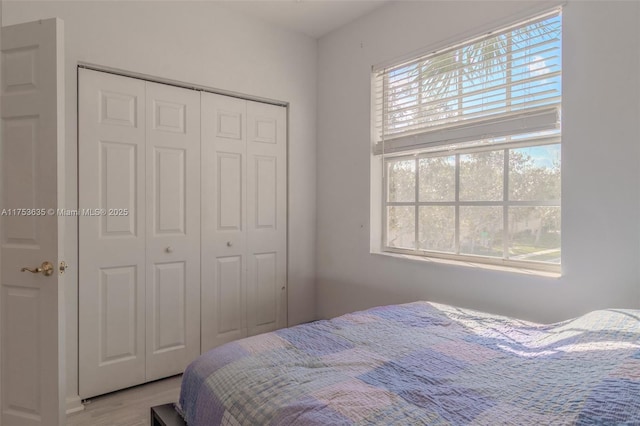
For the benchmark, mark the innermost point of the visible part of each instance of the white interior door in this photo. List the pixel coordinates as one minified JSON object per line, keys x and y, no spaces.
{"x":32,"y":348}
{"x":266,"y":217}
{"x":112,"y":272}
{"x":224,"y":215}
{"x":173,"y":229}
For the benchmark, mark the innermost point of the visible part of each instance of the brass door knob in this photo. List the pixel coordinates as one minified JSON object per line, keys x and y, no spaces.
{"x":46,"y":268}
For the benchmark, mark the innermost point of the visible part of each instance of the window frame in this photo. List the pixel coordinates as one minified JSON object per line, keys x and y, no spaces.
{"x":411,"y":146}
{"x":505,"y":203}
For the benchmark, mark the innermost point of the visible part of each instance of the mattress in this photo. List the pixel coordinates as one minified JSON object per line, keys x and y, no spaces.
{"x":423,"y":363}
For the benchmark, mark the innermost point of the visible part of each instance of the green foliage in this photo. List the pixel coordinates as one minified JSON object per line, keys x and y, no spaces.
{"x":533,"y":231}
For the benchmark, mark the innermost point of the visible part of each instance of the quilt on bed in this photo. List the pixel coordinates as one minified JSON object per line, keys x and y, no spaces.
{"x":423,"y":363}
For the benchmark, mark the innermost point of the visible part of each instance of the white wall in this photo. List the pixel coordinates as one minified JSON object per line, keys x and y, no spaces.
{"x":600,"y":165}
{"x":205,"y":44}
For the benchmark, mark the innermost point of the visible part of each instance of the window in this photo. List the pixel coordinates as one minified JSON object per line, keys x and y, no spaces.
{"x":469,"y":139}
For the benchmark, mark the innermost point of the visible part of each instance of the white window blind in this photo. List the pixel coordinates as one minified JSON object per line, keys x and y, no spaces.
{"x":501,"y":87}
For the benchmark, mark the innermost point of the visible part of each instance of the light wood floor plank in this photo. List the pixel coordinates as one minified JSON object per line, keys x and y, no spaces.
{"x":129,"y":407}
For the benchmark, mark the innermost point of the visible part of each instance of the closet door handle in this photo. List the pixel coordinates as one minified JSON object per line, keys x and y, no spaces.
{"x":229,"y":244}
{"x":169,"y":249}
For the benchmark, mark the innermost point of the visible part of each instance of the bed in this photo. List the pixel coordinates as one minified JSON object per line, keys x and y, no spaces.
{"x":423,"y":363}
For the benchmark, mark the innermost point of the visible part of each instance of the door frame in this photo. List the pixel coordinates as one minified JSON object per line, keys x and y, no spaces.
{"x":170,"y":82}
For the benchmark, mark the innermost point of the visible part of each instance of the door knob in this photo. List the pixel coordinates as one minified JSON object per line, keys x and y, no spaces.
{"x":229,"y":244}
{"x":46,"y":268}
{"x":169,"y":249}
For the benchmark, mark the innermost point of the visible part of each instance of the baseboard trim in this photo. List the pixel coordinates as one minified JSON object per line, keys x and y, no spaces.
{"x":74,"y":404}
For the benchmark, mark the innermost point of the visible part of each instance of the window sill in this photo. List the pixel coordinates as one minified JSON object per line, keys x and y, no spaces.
{"x":486,"y":266}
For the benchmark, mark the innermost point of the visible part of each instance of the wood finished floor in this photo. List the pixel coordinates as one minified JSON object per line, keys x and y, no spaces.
{"x":129,"y":407}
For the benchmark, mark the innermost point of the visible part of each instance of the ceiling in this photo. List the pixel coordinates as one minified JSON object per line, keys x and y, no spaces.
{"x":314,"y":18}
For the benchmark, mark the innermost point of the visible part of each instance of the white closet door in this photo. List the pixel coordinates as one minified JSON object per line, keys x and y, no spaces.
{"x":223,"y":290}
{"x":266,"y":217}
{"x":111,"y":168}
{"x":173,"y":229}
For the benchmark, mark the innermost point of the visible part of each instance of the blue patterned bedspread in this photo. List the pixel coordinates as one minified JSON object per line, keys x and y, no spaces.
{"x":423,"y":363}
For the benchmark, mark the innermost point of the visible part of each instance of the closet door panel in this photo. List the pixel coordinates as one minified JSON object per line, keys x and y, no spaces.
{"x":170,"y":192}
{"x":111,"y":167}
{"x":117,"y":175}
{"x":117,"y":296}
{"x":229,"y":275}
{"x":265,"y":290}
{"x":173,"y":229}
{"x":223,"y":220}
{"x":266,"y":217}
{"x":229,"y":192}
{"x":168,"y":293}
